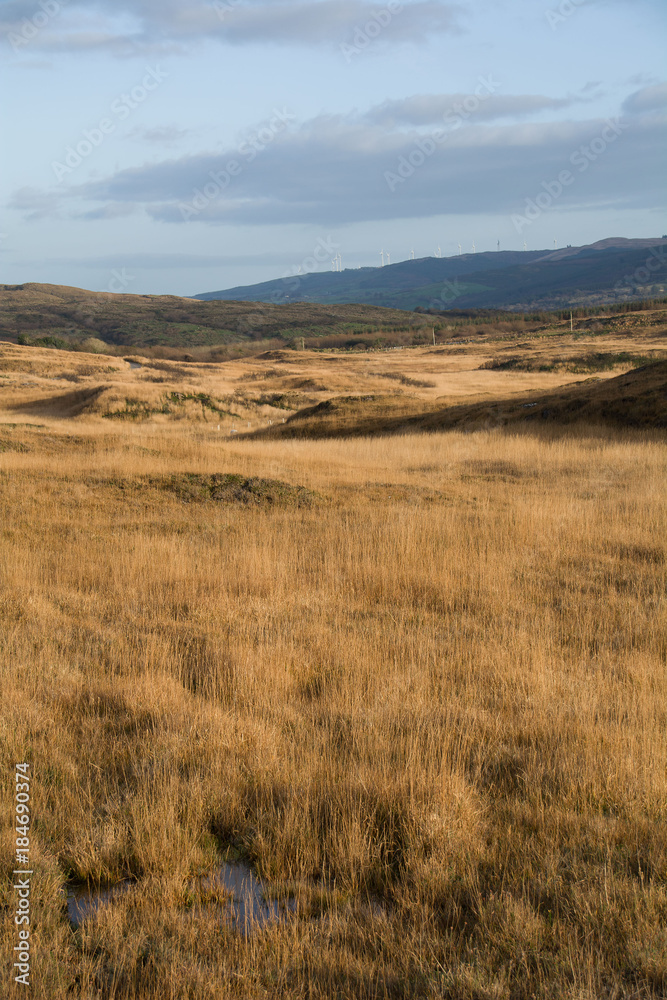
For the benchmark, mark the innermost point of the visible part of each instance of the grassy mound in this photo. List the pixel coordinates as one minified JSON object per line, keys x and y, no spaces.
{"x":235,"y":489}
{"x":635,"y":399}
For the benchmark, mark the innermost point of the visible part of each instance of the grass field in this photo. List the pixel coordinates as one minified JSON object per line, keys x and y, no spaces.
{"x":416,"y":680}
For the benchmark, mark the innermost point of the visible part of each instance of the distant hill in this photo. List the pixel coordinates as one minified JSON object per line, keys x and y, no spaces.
{"x":612,"y":270}
{"x":73,"y":315}
{"x":393,"y":305}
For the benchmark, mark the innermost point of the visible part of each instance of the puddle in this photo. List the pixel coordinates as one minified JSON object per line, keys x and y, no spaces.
{"x":83,"y":901}
{"x":134,"y":364}
{"x":246,"y":909}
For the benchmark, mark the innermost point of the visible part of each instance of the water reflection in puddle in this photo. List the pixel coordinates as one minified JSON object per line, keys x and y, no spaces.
{"x":83,"y":900}
{"x":247,"y":909}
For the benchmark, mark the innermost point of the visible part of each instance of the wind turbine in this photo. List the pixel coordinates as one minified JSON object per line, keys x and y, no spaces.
{"x":473,"y":246}
{"x":459,"y":249}
{"x":525,"y":245}
{"x":412,"y":255}
{"x":499,"y":244}
{"x":554,"y":244}
{"x":340,"y":262}
{"x":438,"y":252}
{"x":388,"y":257}
{"x":382,"y":258}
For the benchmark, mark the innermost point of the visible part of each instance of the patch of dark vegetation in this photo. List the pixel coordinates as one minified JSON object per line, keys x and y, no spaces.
{"x":641,"y":554}
{"x":236,"y":489}
{"x":203,"y":398}
{"x":137,"y":409}
{"x":586,"y":314}
{"x":140,"y":409}
{"x":6,"y":444}
{"x":261,"y":376}
{"x":404,"y":379}
{"x":308,"y":383}
{"x":597,"y":361}
{"x":283,"y":400}
{"x":58,"y":343}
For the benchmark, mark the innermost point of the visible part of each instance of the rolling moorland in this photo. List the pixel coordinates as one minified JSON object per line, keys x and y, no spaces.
{"x":101,"y":322}
{"x":606,"y":272}
{"x":386,"y":626}
{"x":172,"y":328}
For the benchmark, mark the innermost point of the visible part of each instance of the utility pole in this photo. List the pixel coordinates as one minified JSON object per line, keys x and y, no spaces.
{"x":434,"y":336}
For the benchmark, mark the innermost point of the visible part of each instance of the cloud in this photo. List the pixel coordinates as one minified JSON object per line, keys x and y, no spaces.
{"x":309,"y":23}
{"x":34,"y":203}
{"x":648,"y":99}
{"x":337,"y":169}
{"x":432,"y":109}
{"x":113,"y":210}
{"x":147,"y":25}
{"x":162,"y":135}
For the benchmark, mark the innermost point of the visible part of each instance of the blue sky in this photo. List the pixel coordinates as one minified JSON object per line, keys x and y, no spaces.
{"x":191,"y":146}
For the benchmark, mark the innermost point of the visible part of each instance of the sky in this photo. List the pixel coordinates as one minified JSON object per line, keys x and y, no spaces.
{"x":185,"y":146}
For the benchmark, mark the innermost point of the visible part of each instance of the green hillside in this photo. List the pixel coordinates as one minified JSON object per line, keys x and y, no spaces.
{"x":610,"y":271}
{"x":66,"y":315}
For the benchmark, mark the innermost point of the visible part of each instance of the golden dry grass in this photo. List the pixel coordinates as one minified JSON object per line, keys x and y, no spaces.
{"x":432,"y":704}
{"x":44,"y":380}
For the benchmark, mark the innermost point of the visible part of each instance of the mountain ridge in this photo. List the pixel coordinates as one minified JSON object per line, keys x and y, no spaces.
{"x":611,"y":270}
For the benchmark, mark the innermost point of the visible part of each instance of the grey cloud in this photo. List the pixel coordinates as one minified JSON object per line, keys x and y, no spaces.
{"x":165,"y":135}
{"x":333,"y":170}
{"x":35,"y":204}
{"x":286,"y":22}
{"x":641,"y":80}
{"x":337,"y":20}
{"x":647,"y":99}
{"x":114,"y":210}
{"x":431,"y":109}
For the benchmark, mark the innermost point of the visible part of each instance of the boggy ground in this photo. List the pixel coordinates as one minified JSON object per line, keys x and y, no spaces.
{"x":417,"y":681}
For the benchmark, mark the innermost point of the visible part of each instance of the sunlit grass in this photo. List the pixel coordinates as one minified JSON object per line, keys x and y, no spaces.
{"x":433,"y":703}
